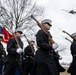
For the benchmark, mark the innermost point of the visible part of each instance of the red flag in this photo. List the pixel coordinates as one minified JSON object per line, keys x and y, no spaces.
{"x":7,"y":35}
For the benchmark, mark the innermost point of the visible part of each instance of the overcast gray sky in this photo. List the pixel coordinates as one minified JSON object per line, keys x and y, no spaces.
{"x":60,"y":19}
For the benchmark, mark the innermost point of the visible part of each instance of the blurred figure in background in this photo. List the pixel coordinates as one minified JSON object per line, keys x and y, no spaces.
{"x":29,"y":58}
{"x":57,"y":57}
{"x":72,"y":68}
{"x":2,"y":54}
{"x":13,"y":62}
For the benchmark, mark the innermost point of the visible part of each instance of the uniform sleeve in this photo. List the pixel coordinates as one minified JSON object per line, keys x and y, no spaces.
{"x":41,"y":43}
{"x":10,"y":48}
{"x":1,"y":48}
{"x":56,"y":55}
{"x":4,"y":53}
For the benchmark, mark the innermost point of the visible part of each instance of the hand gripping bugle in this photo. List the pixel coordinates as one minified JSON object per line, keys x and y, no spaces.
{"x":66,"y":33}
{"x":45,"y":31}
{"x":29,"y":44}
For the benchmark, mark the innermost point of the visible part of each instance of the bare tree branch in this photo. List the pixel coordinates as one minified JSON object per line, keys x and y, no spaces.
{"x":16,"y":13}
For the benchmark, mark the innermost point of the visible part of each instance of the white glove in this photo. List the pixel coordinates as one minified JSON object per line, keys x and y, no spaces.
{"x":19,"y":50}
{"x":55,"y":46}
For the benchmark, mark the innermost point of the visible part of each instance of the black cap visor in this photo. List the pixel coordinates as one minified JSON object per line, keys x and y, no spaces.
{"x":47,"y":23}
{"x":20,"y":32}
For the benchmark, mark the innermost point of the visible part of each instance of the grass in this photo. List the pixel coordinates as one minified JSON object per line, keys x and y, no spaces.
{"x":65,"y":73}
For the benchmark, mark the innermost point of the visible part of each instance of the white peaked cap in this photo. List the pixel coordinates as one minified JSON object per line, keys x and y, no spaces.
{"x":74,"y":34}
{"x":32,"y":39}
{"x":46,"y":21}
{"x":1,"y":35}
{"x":18,"y":30}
